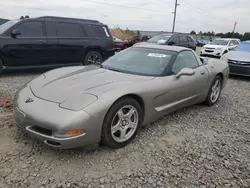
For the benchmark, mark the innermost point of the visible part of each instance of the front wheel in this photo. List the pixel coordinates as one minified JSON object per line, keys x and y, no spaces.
{"x":121,"y":123}
{"x":214,"y":91}
{"x":93,"y":57}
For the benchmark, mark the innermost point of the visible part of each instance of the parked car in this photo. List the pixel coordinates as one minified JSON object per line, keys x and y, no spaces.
{"x":239,"y":59}
{"x":76,"y":106}
{"x":174,"y":39}
{"x":53,"y":41}
{"x":205,"y":42}
{"x":200,"y":43}
{"x":119,"y":44}
{"x":137,"y":39}
{"x":219,"y":46}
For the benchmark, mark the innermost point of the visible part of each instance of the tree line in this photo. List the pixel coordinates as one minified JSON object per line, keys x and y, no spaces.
{"x":242,"y":37}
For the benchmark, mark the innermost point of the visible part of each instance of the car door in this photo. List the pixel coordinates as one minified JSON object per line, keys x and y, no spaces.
{"x":71,"y":42}
{"x":190,"y":43}
{"x":185,"y":90}
{"x":52,"y":55}
{"x":174,"y":41}
{"x":28,"y":48}
{"x":183,"y":41}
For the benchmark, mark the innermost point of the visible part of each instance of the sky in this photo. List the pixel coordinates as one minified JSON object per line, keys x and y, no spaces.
{"x":153,"y":15}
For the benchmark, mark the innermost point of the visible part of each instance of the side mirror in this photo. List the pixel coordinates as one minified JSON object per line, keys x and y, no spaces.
{"x":171,"y":43}
{"x":15,"y":32}
{"x":231,"y":44}
{"x":185,"y":71}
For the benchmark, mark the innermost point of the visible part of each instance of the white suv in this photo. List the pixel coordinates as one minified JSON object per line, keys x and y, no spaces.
{"x":219,"y":46}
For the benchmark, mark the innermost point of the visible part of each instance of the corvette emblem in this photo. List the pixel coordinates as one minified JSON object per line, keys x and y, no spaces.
{"x":28,"y":100}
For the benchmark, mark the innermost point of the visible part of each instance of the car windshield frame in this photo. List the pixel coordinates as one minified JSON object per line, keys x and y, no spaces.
{"x":151,"y":53}
{"x":221,"y":42}
{"x":243,"y":47}
{"x":159,"y":38}
{"x":4,"y":27}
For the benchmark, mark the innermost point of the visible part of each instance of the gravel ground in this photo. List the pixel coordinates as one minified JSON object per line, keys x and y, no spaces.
{"x":198,"y":146}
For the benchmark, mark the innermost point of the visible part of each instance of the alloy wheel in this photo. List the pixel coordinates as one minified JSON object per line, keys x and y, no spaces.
{"x":124,"y":124}
{"x":94,"y":59}
{"x":216,"y":88}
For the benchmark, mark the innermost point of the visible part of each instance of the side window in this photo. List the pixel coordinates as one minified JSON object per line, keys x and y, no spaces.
{"x":185,"y":59}
{"x":175,"y":40}
{"x":235,"y":42}
{"x":69,"y":30}
{"x":100,"y":31}
{"x":31,"y":29}
{"x":50,"y":28}
{"x":182,"y":39}
{"x":89,"y":30}
{"x":189,"y":39}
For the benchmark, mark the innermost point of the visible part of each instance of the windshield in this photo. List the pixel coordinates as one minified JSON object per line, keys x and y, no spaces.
{"x":220,"y":42}
{"x":7,"y":25}
{"x":243,"y":47}
{"x":159,"y":39}
{"x":140,"y":61}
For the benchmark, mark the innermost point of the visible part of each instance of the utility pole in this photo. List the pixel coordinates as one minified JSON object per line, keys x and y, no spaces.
{"x":234,"y":28}
{"x":175,"y":10}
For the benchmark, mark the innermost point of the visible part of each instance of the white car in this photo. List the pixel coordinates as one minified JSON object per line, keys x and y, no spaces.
{"x":219,"y":46}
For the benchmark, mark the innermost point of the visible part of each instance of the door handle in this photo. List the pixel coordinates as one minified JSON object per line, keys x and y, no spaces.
{"x":202,"y":72}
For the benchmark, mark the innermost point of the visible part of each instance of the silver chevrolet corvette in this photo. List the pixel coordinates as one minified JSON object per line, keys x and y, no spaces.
{"x":76,"y":106}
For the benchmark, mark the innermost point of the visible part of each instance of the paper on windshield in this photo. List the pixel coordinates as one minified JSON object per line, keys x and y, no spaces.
{"x":157,"y":55}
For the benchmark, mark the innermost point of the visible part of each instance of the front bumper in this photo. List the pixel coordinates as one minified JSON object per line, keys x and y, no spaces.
{"x":240,"y":70}
{"x":211,"y":53}
{"x":41,"y":118}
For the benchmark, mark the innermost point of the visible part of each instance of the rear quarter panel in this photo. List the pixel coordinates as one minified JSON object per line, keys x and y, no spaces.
{"x":215,"y":67}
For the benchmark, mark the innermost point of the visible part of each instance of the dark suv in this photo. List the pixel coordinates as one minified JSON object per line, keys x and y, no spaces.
{"x":53,"y":41}
{"x":175,"y":39}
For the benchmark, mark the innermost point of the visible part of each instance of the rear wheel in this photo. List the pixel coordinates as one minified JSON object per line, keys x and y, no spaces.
{"x":214,"y":91}
{"x":121,"y":123}
{"x":93,"y":57}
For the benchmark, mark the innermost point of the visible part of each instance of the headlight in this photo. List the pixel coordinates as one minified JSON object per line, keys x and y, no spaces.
{"x":69,"y":133}
{"x":78,"y":102}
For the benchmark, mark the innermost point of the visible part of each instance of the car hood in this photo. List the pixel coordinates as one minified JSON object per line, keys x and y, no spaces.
{"x":238,"y":56}
{"x":62,"y":84}
{"x":214,"y":46}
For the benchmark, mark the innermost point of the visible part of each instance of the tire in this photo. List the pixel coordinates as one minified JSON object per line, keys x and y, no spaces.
{"x":1,"y":66}
{"x":117,"y":121}
{"x":214,"y":95}
{"x":93,"y":57}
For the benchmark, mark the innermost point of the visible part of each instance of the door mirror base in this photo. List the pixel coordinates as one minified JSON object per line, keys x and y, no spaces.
{"x":185,"y":71}
{"x":171,"y":43}
{"x":15,"y":32}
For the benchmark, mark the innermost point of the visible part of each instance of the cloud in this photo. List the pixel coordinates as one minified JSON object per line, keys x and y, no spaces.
{"x":202,"y":15}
